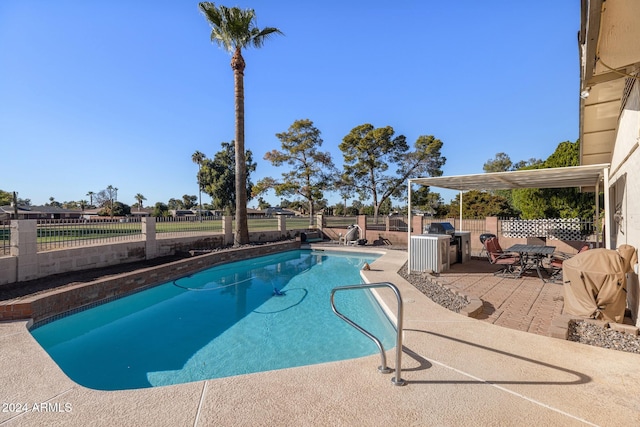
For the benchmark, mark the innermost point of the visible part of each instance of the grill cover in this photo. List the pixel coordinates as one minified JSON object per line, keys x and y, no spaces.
{"x":595,"y":283}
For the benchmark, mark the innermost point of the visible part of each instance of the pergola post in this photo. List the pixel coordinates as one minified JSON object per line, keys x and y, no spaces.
{"x":409,"y":227}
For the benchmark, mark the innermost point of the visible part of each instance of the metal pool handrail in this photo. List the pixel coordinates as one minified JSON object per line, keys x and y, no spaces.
{"x":397,"y":380}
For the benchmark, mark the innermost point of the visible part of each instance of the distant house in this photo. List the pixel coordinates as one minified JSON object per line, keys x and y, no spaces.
{"x":279,"y":211}
{"x":38,"y":212}
{"x":256,"y":213}
{"x":191,"y":213}
{"x":141,"y":213}
{"x":183,"y":213}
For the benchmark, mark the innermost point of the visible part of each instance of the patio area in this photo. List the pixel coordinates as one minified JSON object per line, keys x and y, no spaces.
{"x":526,"y":304}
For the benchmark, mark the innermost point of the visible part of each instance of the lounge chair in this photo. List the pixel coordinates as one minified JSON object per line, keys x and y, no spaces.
{"x":351,"y":237}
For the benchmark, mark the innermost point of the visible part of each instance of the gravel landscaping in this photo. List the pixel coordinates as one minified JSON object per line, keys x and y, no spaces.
{"x":437,"y":293}
{"x":596,"y":335}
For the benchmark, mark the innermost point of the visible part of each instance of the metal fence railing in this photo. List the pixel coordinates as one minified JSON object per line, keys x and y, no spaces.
{"x":398,"y":223}
{"x":190,"y":225}
{"x":5,"y":237}
{"x":261,"y":224}
{"x":339,"y":221}
{"x":64,"y":233}
{"x":300,"y":222}
{"x":271,"y":223}
{"x":377,"y":224}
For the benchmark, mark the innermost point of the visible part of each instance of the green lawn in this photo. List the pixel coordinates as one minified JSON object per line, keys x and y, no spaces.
{"x":63,"y":232}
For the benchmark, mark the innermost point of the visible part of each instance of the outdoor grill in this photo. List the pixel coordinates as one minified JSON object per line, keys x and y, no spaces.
{"x":441,"y":228}
{"x":455,"y":247}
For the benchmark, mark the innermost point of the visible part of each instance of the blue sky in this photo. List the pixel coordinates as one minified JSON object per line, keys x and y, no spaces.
{"x":121,"y":93}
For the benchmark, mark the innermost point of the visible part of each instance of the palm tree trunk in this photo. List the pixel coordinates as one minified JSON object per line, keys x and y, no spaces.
{"x":199,"y":192}
{"x":311,"y":213}
{"x":242,"y":230}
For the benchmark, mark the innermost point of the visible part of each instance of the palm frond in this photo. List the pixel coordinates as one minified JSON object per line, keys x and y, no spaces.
{"x":232,"y":27}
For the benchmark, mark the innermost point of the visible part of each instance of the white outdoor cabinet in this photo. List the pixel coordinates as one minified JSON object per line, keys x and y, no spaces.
{"x":430,"y":252}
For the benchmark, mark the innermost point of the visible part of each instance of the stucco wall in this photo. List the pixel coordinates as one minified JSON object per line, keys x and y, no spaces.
{"x":625,"y":187}
{"x":8,"y":265}
{"x":107,"y":254}
{"x":88,"y":257}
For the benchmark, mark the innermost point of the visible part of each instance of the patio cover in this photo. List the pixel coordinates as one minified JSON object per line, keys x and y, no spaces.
{"x":588,"y":178}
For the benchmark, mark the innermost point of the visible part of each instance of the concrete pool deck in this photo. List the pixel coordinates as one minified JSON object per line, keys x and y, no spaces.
{"x":459,"y":372}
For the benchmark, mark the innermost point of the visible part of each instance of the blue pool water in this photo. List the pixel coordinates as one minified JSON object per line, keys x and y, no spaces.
{"x":221,"y":322}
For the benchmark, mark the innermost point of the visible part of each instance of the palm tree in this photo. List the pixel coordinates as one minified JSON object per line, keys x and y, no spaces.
{"x":139,"y":198}
{"x":198,"y":158}
{"x":110,"y":193}
{"x":235,"y":29}
{"x":90,"y":194}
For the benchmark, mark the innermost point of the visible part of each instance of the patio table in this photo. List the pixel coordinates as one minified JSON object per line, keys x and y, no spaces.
{"x":531,"y":256}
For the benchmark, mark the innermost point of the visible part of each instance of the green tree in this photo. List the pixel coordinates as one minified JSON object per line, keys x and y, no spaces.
{"x":218,"y":177}
{"x":160,"y":210}
{"x":385,"y":207}
{"x":53,"y":202}
{"x":5,"y":198}
{"x":90,"y":194}
{"x":121,"y":209}
{"x":111,"y":197}
{"x":526,"y":163}
{"x":501,"y":163}
{"x":117,"y":209}
{"x":481,"y":204}
{"x":189,"y":201}
{"x":356,"y":208}
{"x":174,"y":204}
{"x":369,"y":153}
{"x":555,"y":202}
{"x":198,"y":158}
{"x":311,"y":169}
{"x":263,"y":204}
{"x":235,"y":29}
{"x":139,"y":199}
{"x":426,"y":201}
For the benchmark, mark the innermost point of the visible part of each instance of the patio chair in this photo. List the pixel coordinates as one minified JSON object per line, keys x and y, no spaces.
{"x":483,"y":238}
{"x":556,"y":261}
{"x":508,"y":260}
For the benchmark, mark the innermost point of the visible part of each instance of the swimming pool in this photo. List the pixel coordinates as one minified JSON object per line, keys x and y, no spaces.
{"x":224,"y":321}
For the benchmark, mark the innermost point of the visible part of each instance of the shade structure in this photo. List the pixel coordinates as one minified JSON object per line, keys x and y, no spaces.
{"x":586,"y":177}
